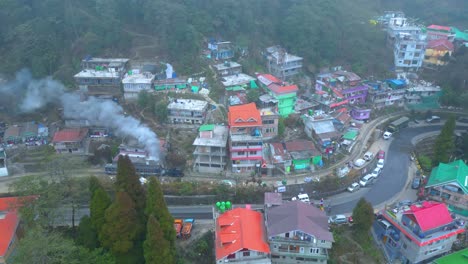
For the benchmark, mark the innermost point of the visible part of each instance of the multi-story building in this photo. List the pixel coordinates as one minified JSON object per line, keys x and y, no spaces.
{"x":210,"y":149}
{"x":70,"y":140}
{"x":279,"y":157}
{"x":415,"y":233}
{"x":245,"y":137}
{"x":343,"y":86}
{"x":448,"y":183}
{"x":3,"y":166}
{"x":321,"y":128}
{"x":101,"y":77}
{"x":298,"y":233}
{"x":240,"y":238}
{"x":409,"y":50}
{"x":187,"y":111}
{"x":435,"y":32}
{"x":173,"y":84}
{"x":284,"y":93}
{"x":438,"y":51}
{"x":282,"y":64}
{"x":269,"y":123}
{"x":399,"y":25}
{"x":228,"y":68}
{"x":423,"y":96}
{"x":390,"y":93}
{"x":135,"y":81}
{"x":221,"y":50}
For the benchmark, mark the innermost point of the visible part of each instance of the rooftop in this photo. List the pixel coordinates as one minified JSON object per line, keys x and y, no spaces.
{"x":297,"y":215}
{"x":227,"y":65}
{"x":170,"y":81}
{"x":299,"y":145}
{"x":279,"y":53}
{"x":188,"y":104}
{"x":278,"y":153}
{"x":273,"y":198}
{"x":89,"y":73}
{"x":239,"y":229}
{"x":455,"y":172}
{"x":237,"y":79}
{"x":144,"y":77}
{"x":440,"y":44}
{"x":424,"y":89}
{"x":438,"y":27}
{"x":276,"y":85}
{"x":267,"y":79}
{"x":244,"y":115}
{"x":106,"y":60}
{"x":454,"y":258}
{"x":219,"y":139}
{"x":70,"y":135}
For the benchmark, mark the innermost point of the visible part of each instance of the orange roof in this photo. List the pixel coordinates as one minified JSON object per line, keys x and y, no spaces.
{"x":440,"y":44}
{"x":70,"y":134}
{"x":281,"y":89}
{"x":244,"y":115}
{"x":9,"y":222}
{"x":240,"y":229}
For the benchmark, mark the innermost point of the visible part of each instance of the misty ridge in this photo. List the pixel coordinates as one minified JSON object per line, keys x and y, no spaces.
{"x":33,"y":94}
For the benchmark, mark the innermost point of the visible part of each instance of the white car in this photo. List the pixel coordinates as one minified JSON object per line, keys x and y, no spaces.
{"x":376,"y":172}
{"x":366,"y":180}
{"x":380,"y":163}
{"x":368,"y":156}
{"x":359,"y":162}
{"x":387,"y":135}
{"x":354,"y":187}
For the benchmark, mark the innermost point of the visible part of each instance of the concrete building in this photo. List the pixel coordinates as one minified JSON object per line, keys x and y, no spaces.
{"x":228,"y":68}
{"x":320,"y":128}
{"x":409,"y":50}
{"x":221,"y":50}
{"x":397,"y":25}
{"x":187,"y":111}
{"x":436,"y":32}
{"x":101,"y":77}
{"x":423,"y":95}
{"x":448,"y":184}
{"x":240,"y":238}
{"x":416,"y":233}
{"x":173,"y":84}
{"x":210,"y":154}
{"x":437,"y":52}
{"x":298,"y":233}
{"x":279,"y":157}
{"x":70,"y":140}
{"x":3,"y":163}
{"x":343,"y":87}
{"x":282,"y":64}
{"x":269,"y":123}
{"x":303,"y":154}
{"x":284,"y":93}
{"x":389,"y":93}
{"x":135,"y":81}
{"x":245,"y":138}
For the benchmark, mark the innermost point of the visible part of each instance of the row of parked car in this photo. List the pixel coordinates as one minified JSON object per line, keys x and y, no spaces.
{"x":371,"y":177}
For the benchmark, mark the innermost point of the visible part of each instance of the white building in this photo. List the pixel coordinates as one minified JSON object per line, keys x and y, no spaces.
{"x":282,"y":64}
{"x":210,"y":149}
{"x":187,"y":111}
{"x":409,"y":50}
{"x":134,"y":82}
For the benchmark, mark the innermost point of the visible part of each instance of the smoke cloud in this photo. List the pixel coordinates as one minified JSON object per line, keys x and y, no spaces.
{"x":36,"y":93}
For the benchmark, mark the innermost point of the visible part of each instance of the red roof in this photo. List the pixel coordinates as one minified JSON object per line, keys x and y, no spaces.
{"x":437,"y":27}
{"x":440,"y":44}
{"x":430,"y":215}
{"x":281,"y":89}
{"x":244,"y":115}
{"x":267,"y":79}
{"x":240,"y":229}
{"x":9,"y":222}
{"x":70,"y":134}
{"x":299,"y":145}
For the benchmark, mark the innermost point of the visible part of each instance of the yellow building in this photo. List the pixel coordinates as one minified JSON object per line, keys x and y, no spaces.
{"x":436,"y":50}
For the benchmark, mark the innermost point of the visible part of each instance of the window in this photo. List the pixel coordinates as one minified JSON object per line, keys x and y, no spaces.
{"x":268,"y":122}
{"x":415,"y":62}
{"x":246,"y":253}
{"x":315,"y":250}
{"x":301,"y":250}
{"x":417,"y":54}
{"x":241,"y":153}
{"x":404,"y":246}
{"x":286,"y":235}
{"x":231,"y":256}
{"x":323,"y":241}
{"x":253,"y":152}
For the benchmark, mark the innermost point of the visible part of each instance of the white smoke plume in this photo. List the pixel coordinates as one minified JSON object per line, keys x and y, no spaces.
{"x":36,"y":93}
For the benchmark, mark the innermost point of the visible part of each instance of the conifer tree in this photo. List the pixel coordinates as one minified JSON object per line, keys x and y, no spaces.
{"x":156,"y":206}
{"x":87,"y":235}
{"x":128,"y":181}
{"x":444,"y":144}
{"x":156,"y":248}
{"x":121,"y":230}
{"x":100,"y":201}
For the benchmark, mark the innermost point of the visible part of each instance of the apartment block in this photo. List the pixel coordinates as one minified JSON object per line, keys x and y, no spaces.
{"x":282,"y":64}
{"x":135,"y":82}
{"x":187,"y":111}
{"x":228,"y":68}
{"x":409,"y":50}
{"x":210,"y":154}
{"x":284,"y":93}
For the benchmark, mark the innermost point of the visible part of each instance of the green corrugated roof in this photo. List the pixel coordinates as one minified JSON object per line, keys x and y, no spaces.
{"x":460,"y":34}
{"x":350,"y":135}
{"x":208,"y":127}
{"x":456,"y":171}
{"x":253,"y":85}
{"x":454,"y":258}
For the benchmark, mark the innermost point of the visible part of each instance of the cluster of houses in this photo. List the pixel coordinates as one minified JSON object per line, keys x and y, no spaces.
{"x":415,"y":46}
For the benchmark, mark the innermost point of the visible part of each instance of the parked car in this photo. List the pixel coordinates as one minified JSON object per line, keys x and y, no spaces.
{"x":416,"y":183}
{"x":376,"y":172}
{"x":462,"y":119}
{"x":228,"y":183}
{"x":173,"y":173}
{"x":433,"y":119}
{"x":338,"y":219}
{"x":380,"y":163}
{"x":303,"y":198}
{"x":359,"y":162}
{"x":366,"y":180}
{"x":387,"y":135}
{"x":381,"y":154}
{"x":354,"y":187}
{"x":368,"y":156}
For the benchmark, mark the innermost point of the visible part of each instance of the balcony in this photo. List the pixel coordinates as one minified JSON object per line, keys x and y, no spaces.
{"x":298,"y":251}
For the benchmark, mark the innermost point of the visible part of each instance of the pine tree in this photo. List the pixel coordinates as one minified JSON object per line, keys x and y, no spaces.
{"x":128,"y":181}
{"x":121,"y":230}
{"x":363,"y":216}
{"x":444,"y":144}
{"x":156,"y":248}
{"x":156,"y":206}
{"x":87,"y":235}
{"x":100,"y":201}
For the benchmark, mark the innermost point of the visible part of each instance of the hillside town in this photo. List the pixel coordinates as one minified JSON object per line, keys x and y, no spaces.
{"x":279,"y":127}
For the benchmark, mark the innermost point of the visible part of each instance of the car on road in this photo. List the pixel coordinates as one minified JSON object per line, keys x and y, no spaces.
{"x":366,"y":180}
{"x":416,"y":183}
{"x":462,"y":119}
{"x":359,"y":162}
{"x":380,"y":163}
{"x":354,"y":187}
{"x":381,"y":154}
{"x":338,"y":219}
{"x":376,"y":172}
{"x":387,"y":135}
{"x":368,"y":156}
{"x":433,"y":119}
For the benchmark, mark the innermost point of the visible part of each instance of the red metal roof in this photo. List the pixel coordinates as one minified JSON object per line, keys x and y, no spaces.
{"x":299,"y":145}
{"x":244,"y":115}
{"x":438,"y":27}
{"x":339,"y":103}
{"x":440,"y":44}
{"x":281,"y":89}
{"x":430,"y":215}
{"x":267,"y":79}
{"x":70,"y":135}
{"x":240,"y":229}
{"x":9,"y":223}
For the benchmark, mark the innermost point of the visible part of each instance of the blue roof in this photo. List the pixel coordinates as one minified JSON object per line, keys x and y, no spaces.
{"x":397,"y":82}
